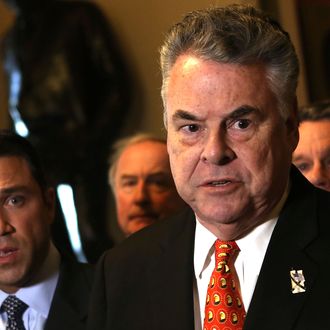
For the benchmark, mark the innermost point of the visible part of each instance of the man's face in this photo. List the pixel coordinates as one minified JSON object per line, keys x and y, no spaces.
{"x":230,"y":150}
{"x":312,"y":156}
{"x":25,"y":216}
{"x":144,"y":187}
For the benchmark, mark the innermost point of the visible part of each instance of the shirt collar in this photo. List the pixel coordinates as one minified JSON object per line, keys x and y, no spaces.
{"x":204,"y":241}
{"x":39,"y":296}
{"x":256,"y":242}
{"x":259,"y":237}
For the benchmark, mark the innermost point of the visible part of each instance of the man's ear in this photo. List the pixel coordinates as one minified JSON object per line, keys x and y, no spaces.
{"x":292,"y":124}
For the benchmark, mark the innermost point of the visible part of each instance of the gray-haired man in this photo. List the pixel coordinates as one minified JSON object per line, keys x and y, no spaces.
{"x":229,"y":91}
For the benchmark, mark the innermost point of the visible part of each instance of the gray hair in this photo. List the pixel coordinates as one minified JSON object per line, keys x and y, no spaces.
{"x":235,"y":34}
{"x":119,"y":147}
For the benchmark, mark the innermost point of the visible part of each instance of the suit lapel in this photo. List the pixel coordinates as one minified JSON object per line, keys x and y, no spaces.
{"x":69,"y":306}
{"x":63,"y":316}
{"x":170,"y":279}
{"x":273,"y":305}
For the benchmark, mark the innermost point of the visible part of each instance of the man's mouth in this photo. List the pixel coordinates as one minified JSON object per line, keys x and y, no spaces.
{"x":219,"y":183}
{"x":7,"y":252}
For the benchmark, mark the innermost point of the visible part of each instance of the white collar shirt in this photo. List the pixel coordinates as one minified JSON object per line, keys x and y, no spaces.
{"x":247,"y":268}
{"x":37,"y":296}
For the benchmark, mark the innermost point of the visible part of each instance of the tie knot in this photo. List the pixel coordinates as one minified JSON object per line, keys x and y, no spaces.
{"x":14,"y":307}
{"x":224,"y":250}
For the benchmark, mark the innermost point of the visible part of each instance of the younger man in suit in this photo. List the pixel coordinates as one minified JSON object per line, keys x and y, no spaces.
{"x":51,"y":293}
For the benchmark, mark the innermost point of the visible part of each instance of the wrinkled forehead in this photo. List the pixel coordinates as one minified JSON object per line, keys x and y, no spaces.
{"x":203,"y":87}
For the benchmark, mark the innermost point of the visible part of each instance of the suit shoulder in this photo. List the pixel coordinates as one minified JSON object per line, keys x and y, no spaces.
{"x":149,"y":241}
{"x":71,"y":270}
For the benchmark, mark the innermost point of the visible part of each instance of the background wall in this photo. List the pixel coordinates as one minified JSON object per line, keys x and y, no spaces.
{"x":139,"y":27}
{"x":286,"y":13}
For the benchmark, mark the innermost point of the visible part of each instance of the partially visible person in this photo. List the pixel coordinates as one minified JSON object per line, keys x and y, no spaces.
{"x":142,"y":183}
{"x":53,"y":290}
{"x":312,"y":155}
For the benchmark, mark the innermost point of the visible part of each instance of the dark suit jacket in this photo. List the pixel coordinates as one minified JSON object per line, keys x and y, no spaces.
{"x":146,"y":283}
{"x":69,"y":306}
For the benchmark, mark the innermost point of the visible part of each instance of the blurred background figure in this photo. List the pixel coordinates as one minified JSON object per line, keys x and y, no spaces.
{"x":69,"y":93}
{"x":142,"y":183}
{"x":312,"y":155}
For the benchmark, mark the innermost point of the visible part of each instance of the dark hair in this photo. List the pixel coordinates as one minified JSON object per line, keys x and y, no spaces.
{"x":315,"y":111}
{"x":235,"y":34}
{"x":12,"y":144}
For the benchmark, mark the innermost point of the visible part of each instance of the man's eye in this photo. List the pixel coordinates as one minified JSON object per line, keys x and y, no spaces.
{"x":302,"y":167}
{"x":128,"y":183}
{"x":15,"y":201}
{"x":192,"y":128}
{"x":159,"y":183}
{"x":242,"y":123}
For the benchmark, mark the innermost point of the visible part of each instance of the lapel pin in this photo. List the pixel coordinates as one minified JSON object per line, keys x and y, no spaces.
{"x":297,"y":281}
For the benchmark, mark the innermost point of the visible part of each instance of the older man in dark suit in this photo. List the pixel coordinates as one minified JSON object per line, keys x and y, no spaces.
{"x":39,"y":289}
{"x":253,"y":251}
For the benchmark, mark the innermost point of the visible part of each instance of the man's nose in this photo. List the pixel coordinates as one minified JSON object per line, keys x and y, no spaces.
{"x":141,"y":193}
{"x":5,"y":226}
{"x":216,"y":149}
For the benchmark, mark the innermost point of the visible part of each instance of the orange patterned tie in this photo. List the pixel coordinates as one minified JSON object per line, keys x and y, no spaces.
{"x":224,"y":309}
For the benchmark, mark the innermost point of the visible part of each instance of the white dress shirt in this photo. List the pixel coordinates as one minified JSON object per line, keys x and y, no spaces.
{"x":37,"y":296}
{"x":247,"y":264}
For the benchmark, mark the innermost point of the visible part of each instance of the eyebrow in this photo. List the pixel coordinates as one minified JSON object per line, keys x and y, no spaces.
{"x":237,"y":113}
{"x":14,"y":189}
{"x":242,"y":111}
{"x":299,"y":158}
{"x":326,"y":151}
{"x":127,"y":176}
{"x":182,"y":114}
{"x":160,"y":174}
